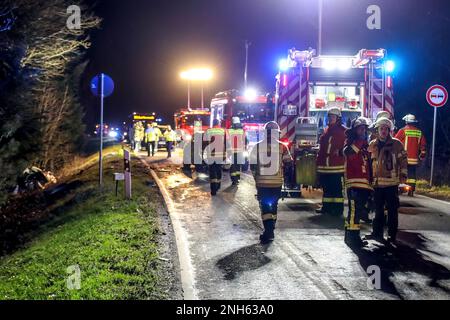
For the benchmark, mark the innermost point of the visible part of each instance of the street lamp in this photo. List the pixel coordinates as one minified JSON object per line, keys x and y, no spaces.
{"x":196,"y":75}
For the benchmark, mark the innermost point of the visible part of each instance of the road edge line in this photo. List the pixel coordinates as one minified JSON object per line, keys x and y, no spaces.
{"x":186,"y":269}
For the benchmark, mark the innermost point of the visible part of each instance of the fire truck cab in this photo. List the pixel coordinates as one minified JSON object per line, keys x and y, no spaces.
{"x":253,"y":110}
{"x":189,"y":121}
{"x":309,"y":85}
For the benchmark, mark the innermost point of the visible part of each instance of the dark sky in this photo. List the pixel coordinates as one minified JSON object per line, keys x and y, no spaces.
{"x":144,"y":44}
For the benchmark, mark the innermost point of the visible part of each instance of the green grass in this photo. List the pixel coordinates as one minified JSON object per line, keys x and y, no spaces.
{"x":111,"y":240}
{"x":439,"y":192}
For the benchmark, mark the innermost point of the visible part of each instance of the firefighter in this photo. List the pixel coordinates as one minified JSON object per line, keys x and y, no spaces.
{"x":380,"y":114}
{"x":138,"y":136}
{"x":170,"y":136}
{"x":390,"y":168}
{"x":237,"y":145}
{"x":266,"y":161}
{"x":158,"y":135}
{"x":215,"y":154}
{"x":416,"y":148}
{"x":330,"y":164}
{"x":150,"y":140}
{"x":358,"y":177}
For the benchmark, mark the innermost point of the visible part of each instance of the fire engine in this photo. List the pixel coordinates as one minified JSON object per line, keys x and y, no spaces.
{"x":189,"y":121}
{"x":254,"y":111}
{"x":309,"y":85}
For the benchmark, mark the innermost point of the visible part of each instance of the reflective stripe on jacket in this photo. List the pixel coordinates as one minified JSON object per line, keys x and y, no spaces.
{"x":236,"y":138}
{"x":358,"y":171}
{"x":389,"y":163}
{"x":331,"y":158}
{"x":414,"y":142}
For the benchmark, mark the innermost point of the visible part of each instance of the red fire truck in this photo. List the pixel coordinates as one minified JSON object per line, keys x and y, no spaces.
{"x":188,"y":121}
{"x":308,"y":85}
{"x":254,"y":111}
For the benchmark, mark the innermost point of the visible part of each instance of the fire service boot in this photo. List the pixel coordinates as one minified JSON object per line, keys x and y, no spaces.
{"x":353,"y":239}
{"x":268,"y":235}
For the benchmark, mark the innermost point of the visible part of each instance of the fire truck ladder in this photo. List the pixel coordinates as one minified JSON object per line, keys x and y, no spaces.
{"x":373,"y":79}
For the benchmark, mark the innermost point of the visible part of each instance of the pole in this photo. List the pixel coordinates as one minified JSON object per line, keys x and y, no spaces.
{"x":247,"y":45}
{"x":203,"y":101}
{"x":319,"y":44}
{"x":100,"y":175}
{"x":189,"y":94}
{"x":432,"y":151}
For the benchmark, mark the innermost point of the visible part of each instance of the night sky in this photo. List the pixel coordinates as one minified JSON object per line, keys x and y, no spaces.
{"x":144,"y":44}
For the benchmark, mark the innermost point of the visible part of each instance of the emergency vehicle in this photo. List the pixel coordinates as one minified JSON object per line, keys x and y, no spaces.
{"x":188,"y":121}
{"x":309,"y":85}
{"x":254,"y":111}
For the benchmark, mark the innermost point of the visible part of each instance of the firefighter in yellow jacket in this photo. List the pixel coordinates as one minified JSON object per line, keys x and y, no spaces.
{"x":215,"y":154}
{"x":266,"y":163}
{"x":389,"y":168}
{"x":237,"y":144}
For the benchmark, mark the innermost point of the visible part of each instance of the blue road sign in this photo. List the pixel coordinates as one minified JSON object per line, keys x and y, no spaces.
{"x":108,"y":85}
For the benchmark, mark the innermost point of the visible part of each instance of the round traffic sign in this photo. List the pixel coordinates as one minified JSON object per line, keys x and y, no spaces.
{"x":108,"y":85}
{"x":437,"y":96}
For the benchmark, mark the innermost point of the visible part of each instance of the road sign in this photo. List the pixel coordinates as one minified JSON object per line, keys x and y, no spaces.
{"x":108,"y":85}
{"x":101,"y":86}
{"x":437,"y":96}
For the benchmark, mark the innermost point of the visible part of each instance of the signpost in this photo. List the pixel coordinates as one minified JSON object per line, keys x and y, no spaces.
{"x":101,"y":86}
{"x":437,"y":96}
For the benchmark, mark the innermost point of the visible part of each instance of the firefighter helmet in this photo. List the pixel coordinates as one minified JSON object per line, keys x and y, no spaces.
{"x":383,"y":114}
{"x":335,"y":111}
{"x":361,"y":121}
{"x":272,"y":125}
{"x":384,"y":121}
{"x":410,"y":118}
{"x":235,"y":120}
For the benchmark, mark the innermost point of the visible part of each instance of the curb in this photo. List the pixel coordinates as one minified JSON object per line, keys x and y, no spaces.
{"x":186,"y":268}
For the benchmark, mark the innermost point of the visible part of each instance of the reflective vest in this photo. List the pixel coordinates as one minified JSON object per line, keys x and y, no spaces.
{"x":217,"y":143}
{"x":236,"y":138}
{"x":331,"y":157}
{"x":414,"y":142}
{"x":170,"y":136}
{"x":358,"y":171}
{"x":389,"y":162}
{"x":266,"y":161}
{"x":150,"y":135}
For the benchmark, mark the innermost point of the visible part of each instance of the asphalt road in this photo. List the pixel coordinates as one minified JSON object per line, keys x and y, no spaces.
{"x":308,"y":259}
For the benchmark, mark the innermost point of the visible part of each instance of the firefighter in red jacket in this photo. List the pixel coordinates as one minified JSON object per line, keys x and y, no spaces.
{"x":358,"y":179}
{"x":416,"y":147}
{"x":330,"y":164}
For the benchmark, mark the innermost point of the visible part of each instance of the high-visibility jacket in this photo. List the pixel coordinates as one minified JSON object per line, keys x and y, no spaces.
{"x":331,"y":157}
{"x":217,"y":138}
{"x":150,"y":135}
{"x":358,"y":170}
{"x":170,"y":136}
{"x":138,"y":133}
{"x":389,"y":162}
{"x":236,"y":139}
{"x":158,"y":133}
{"x":414,"y":142}
{"x":266,"y":163}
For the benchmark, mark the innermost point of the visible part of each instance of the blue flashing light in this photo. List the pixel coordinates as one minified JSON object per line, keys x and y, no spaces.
{"x":389,"y":66}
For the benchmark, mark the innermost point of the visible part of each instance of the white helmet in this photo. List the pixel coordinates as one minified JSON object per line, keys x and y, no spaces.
{"x":410,"y":118}
{"x":335,"y":111}
{"x":383,"y":114}
{"x":361,"y":121}
{"x":272,"y":125}
{"x":235,"y":120}
{"x":384,"y":121}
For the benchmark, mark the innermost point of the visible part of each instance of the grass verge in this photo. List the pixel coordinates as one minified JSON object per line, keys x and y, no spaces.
{"x":111,"y":241}
{"x":438,"y":192}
